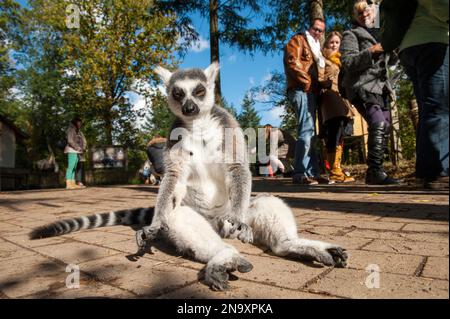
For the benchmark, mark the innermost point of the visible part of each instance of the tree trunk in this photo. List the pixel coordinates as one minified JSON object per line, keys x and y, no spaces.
{"x":316,"y":12}
{"x":214,"y":41}
{"x":108,"y":128}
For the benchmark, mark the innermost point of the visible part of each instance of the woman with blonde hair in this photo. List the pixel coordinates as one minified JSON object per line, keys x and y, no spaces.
{"x":336,"y":112}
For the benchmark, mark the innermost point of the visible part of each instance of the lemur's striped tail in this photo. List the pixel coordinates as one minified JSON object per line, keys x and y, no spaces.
{"x":136,"y":216}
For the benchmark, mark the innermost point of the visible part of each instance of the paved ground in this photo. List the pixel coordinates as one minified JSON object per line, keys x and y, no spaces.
{"x":401,"y":231}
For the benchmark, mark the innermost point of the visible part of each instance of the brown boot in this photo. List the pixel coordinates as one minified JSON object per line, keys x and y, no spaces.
{"x":336,"y":174}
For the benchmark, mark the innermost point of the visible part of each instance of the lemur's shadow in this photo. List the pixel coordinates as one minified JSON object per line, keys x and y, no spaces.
{"x":166,"y":247}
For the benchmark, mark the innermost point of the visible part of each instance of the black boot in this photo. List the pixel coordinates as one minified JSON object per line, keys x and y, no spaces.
{"x":377,"y":140}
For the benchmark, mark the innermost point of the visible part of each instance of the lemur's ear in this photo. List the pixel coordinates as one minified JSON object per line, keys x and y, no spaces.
{"x":211,"y":72}
{"x":164,"y":74}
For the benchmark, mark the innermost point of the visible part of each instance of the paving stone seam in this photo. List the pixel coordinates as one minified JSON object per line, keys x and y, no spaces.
{"x":62,"y":263}
{"x":400,"y":253}
{"x":317,"y":278}
{"x":365,"y":244}
{"x":3,"y":295}
{"x":419,"y":269}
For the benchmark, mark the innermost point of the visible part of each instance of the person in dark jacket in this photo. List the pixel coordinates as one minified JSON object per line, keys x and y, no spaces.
{"x":422,"y":39}
{"x":155,"y":153}
{"x":366,"y":84}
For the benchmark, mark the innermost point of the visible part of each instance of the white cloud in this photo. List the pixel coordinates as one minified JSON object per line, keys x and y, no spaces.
{"x":232,"y":58}
{"x":251,"y":80}
{"x":276,"y":112}
{"x":200,"y":45}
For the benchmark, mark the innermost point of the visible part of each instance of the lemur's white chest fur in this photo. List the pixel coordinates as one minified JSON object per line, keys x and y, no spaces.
{"x":206,"y":183}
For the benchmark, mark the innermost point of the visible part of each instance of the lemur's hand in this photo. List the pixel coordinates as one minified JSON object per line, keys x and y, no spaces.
{"x":149,"y":233}
{"x":230,"y":227}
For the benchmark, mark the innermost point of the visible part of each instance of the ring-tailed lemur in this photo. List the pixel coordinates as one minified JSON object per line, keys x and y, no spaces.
{"x":206,"y":191}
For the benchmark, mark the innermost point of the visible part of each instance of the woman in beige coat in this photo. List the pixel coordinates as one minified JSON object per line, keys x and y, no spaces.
{"x":336,"y":112}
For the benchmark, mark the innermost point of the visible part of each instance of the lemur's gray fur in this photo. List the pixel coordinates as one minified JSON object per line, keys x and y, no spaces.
{"x":206,"y":191}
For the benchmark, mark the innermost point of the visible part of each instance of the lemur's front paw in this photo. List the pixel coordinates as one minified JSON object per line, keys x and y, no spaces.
{"x":149,"y":233}
{"x":231,"y":228}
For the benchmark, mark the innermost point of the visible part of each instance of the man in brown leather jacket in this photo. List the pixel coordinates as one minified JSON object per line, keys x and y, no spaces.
{"x":301,"y":55}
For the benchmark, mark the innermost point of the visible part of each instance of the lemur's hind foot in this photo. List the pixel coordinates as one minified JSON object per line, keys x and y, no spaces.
{"x":216,"y":275}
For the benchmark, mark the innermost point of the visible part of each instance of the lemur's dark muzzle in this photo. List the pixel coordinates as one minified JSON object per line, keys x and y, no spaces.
{"x":190,"y":108}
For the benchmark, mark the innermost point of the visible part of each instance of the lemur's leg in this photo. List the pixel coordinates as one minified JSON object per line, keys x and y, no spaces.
{"x":274,"y":226}
{"x":192,"y":234}
{"x":240,"y":192}
{"x":170,"y":195}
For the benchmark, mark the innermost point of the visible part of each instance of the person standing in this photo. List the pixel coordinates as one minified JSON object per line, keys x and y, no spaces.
{"x":76,"y":144}
{"x":422,"y":41}
{"x":365,"y":81}
{"x":336,"y":112}
{"x":302,"y":57}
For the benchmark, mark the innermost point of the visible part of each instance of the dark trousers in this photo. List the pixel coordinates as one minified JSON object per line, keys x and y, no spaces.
{"x":373,"y":108}
{"x":427,"y":67}
{"x":335,"y":128}
{"x":79,"y":172}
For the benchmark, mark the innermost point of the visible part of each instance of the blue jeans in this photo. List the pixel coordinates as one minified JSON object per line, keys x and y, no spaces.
{"x":427,"y":67}
{"x":306,"y":160}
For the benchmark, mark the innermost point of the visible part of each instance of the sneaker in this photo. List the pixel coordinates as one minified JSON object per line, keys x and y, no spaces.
{"x":80,"y":185}
{"x":438,"y":183}
{"x":305,"y":180}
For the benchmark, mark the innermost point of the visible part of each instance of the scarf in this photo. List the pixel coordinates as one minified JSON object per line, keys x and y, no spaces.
{"x":334,"y":57}
{"x":315,"y":49}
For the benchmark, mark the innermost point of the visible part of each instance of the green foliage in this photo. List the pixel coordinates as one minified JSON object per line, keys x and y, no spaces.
{"x":229,"y":107}
{"x":407,"y":132}
{"x":160,"y":118}
{"x":248,"y":118}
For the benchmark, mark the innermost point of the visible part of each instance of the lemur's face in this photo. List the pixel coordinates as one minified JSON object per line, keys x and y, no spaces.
{"x":190,"y":92}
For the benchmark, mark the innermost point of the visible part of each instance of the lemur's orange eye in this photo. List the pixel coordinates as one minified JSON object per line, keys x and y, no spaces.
{"x":199,"y":91}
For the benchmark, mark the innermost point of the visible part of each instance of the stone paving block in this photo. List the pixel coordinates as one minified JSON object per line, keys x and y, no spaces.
{"x":281,"y":272}
{"x":436,"y":267}
{"x":23,"y":240}
{"x":410,"y":247}
{"x":413,"y":220}
{"x":98,"y":237}
{"x":390,"y":263}
{"x":352,"y":284}
{"x":239,"y":289}
{"x":388,"y":235}
{"x":8,"y":229}
{"x":89,"y":289}
{"x":75,"y":253}
{"x":30,"y":274}
{"x":306,"y":229}
{"x":143,"y":277}
{"x":357,"y":224}
{"x":340,"y":216}
{"x":10,"y":251}
{"x":432,"y":228}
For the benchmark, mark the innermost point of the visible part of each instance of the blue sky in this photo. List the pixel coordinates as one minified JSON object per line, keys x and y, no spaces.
{"x":239,"y":71}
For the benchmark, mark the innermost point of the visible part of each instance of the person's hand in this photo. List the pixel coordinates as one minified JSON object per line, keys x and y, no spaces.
{"x":376,"y":48}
